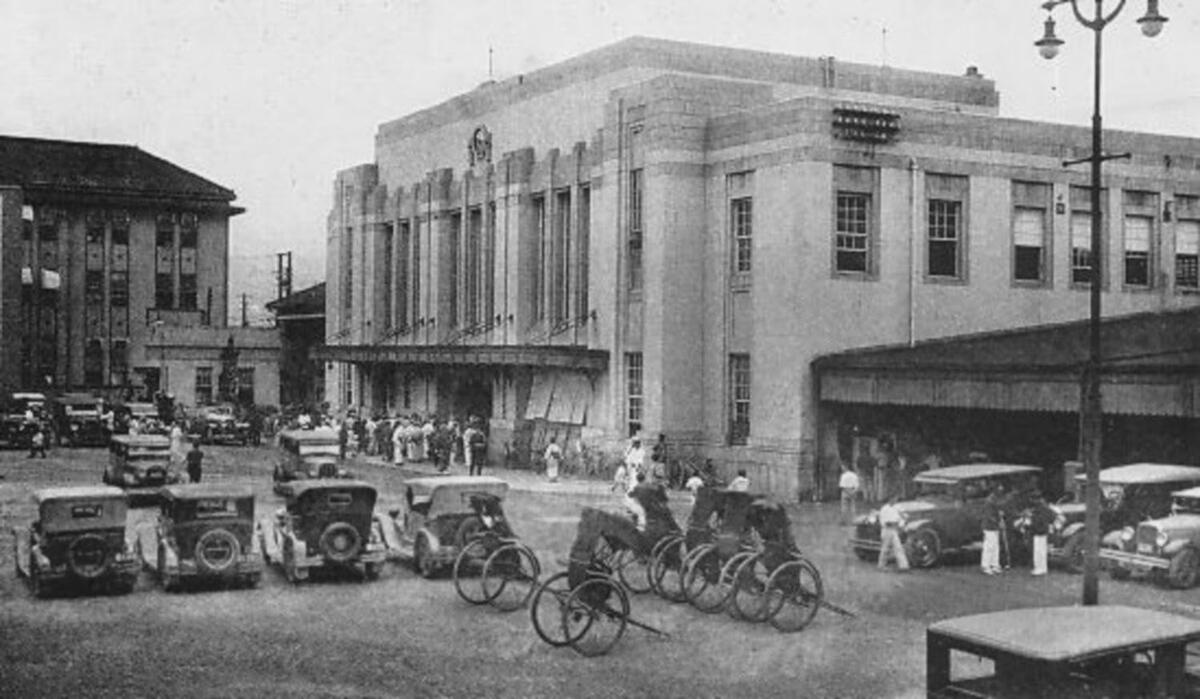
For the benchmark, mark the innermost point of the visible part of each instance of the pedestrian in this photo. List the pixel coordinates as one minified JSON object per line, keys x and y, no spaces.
{"x":635,"y":460}
{"x":620,"y":479}
{"x":741,"y":483}
{"x":891,"y":519}
{"x":694,"y":484}
{"x":178,"y":449}
{"x":399,"y":440}
{"x":553,"y":458}
{"x":993,"y":520}
{"x":476,"y":446}
{"x":658,"y":461}
{"x":849,"y":484}
{"x":634,"y":506}
{"x":195,"y":458}
{"x":37,"y":442}
{"x":1041,"y":518}
{"x":467,"y":442}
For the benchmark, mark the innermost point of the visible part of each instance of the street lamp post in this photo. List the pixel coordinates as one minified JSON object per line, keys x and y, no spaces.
{"x":1091,"y":411}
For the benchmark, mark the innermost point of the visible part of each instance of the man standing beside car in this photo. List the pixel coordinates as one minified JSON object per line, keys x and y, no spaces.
{"x":1041,"y":517}
{"x":890,"y":521}
{"x":195,"y":458}
{"x":993,"y":519}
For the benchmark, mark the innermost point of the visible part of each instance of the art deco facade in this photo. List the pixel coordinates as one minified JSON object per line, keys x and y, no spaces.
{"x":114,"y":276}
{"x":661,"y":237}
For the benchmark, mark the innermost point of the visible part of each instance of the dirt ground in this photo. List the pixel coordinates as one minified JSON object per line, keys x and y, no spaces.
{"x":403,"y":636}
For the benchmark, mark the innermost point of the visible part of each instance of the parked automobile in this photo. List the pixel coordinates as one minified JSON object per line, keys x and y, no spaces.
{"x":219,"y":424}
{"x":1166,"y":549}
{"x":147,"y":417}
{"x":205,"y":532}
{"x":79,"y":418}
{"x":437,"y":517}
{"x":1062,"y":652}
{"x":947,"y":512}
{"x":141,"y":464}
{"x":325,"y":523}
{"x":78,"y":539}
{"x":1129,"y":494}
{"x":307,"y":454}
{"x":15,"y":428}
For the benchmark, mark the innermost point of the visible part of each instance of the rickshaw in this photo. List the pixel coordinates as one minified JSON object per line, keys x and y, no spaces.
{"x":493,"y":566}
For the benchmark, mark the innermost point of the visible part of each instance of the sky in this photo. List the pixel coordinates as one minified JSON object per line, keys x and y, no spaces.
{"x":272,"y":97}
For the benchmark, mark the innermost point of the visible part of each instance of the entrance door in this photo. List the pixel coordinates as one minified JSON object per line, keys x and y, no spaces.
{"x":473,"y":396}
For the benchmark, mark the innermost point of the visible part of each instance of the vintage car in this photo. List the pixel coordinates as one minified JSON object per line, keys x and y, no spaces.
{"x":80,"y":423}
{"x":140,"y":463}
{"x":438,"y":516}
{"x":1167,"y":548}
{"x":14,"y":424}
{"x":1061,"y":653}
{"x":146,"y":415}
{"x":1129,"y":494}
{"x":204,"y":533}
{"x":78,"y":540}
{"x":219,"y":424}
{"x":325,"y":524}
{"x":307,"y":454}
{"x":947,"y":512}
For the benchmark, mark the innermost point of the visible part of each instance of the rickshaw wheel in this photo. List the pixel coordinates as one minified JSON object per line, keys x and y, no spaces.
{"x":666,"y":571}
{"x":510,"y":576}
{"x":701,"y":581}
{"x":469,"y":564}
{"x":748,"y":584}
{"x":728,"y":579}
{"x":794,"y":594}
{"x":595,"y":616}
{"x":546,"y":609}
{"x":633,"y":569}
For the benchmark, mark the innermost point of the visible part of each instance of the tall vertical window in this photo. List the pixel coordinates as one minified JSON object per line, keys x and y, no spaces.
{"x":489,"y":265}
{"x":633,"y":391}
{"x":473,"y":266}
{"x":456,"y":232}
{"x":1081,"y":235}
{"x":347,"y":270}
{"x":415,"y":266}
{"x":204,"y":385}
{"x":118,"y":282}
{"x":739,"y":398}
{"x":1139,"y":230}
{"x":189,"y":233}
{"x":584,"y":227}
{"x":1187,"y":242}
{"x":118,"y":286}
{"x":245,"y":385}
{"x":741,"y":220}
{"x":636,"y":232}
{"x":93,"y":363}
{"x":118,"y":362}
{"x":1029,"y":244}
{"x":386,"y":290}
{"x":561,"y":256}
{"x":855,"y":221}
{"x":403,"y":253}
{"x":538,"y":263}
{"x":945,"y":248}
{"x":164,"y":261}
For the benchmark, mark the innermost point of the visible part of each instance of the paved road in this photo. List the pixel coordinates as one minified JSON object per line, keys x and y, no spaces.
{"x":404,"y":636}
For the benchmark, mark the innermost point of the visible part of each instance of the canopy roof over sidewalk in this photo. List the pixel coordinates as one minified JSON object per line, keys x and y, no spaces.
{"x":1151,"y":367}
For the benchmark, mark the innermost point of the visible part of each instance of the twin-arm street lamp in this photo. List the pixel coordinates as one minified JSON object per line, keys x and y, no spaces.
{"x":1090,"y":414}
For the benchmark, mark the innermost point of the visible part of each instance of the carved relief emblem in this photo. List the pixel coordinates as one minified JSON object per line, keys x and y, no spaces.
{"x":479,"y":148}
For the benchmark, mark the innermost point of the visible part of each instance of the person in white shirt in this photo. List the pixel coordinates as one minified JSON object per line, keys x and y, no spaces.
{"x":399,"y":441}
{"x":890,"y":521}
{"x":553,"y":458}
{"x":849,"y":485}
{"x":635,"y":461}
{"x":694,"y":484}
{"x":741,"y":483}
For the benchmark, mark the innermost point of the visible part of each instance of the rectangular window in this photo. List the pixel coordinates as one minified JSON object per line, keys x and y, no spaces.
{"x":187,"y":292}
{"x":489,"y":266}
{"x":245,"y":385}
{"x":739,"y":398}
{"x":347,"y":268}
{"x":118,"y":289}
{"x":633,"y":391}
{"x":1187,"y":254}
{"x":561,"y":255}
{"x":93,"y":286}
{"x":474,"y":267}
{"x":945,"y":249}
{"x":538,"y":263}
{"x":1081,"y":247}
{"x":93,"y":363}
{"x":415,"y":266}
{"x":1139,"y":231}
{"x":635,"y":240}
{"x":385,"y":278}
{"x":741,"y":220}
{"x":855,"y":221}
{"x":204,"y":385}
{"x":164,"y":261}
{"x":164,"y":290}
{"x":187,"y":262}
{"x":118,"y":361}
{"x":584,"y":227}
{"x":1029,"y":244}
{"x":403,"y":254}
{"x":456,"y":232}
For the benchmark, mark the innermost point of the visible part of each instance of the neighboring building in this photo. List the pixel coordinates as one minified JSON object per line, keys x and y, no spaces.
{"x":113,"y":273}
{"x":658,"y":236}
{"x":300,"y":318}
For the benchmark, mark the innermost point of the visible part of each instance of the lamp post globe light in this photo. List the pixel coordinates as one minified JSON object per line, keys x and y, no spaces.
{"x":1090,"y":412}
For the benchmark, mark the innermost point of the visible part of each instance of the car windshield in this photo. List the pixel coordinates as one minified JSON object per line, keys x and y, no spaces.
{"x":1186,"y":506}
{"x":936,"y":489}
{"x":148,"y":455}
{"x":312,"y":450}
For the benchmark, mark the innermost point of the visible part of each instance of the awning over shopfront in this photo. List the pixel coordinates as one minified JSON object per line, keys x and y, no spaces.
{"x":1151,"y":367}
{"x":579,"y":358}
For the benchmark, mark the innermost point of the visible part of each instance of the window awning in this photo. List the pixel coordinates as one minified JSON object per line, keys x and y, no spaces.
{"x":1151,"y":366}
{"x":565,"y":357}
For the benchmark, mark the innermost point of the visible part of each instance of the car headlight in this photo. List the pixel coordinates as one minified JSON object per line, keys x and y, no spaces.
{"x":1161,"y":540}
{"x":1127,"y":534}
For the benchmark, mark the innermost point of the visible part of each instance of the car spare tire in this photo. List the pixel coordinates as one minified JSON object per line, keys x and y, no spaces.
{"x":340,"y":542}
{"x":88,"y":556}
{"x":216,"y":551}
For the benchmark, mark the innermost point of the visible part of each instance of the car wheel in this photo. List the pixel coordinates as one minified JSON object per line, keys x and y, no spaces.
{"x":216,"y":551}
{"x":1184,"y":568}
{"x":421,"y":557}
{"x":88,"y":557}
{"x":1073,"y":552}
{"x":924,"y":548}
{"x":340,"y":542}
{"x":869,"y":555}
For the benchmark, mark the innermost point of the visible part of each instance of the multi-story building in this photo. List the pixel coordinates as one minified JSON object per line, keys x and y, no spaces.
{"x":661,"y":237}
{"x":114,"y":276}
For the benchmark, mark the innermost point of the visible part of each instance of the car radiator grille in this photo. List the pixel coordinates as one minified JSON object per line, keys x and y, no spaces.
{"x":1147,"y":534}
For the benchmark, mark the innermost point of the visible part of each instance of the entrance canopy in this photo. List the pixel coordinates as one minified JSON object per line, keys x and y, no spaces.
{"x":579,"y":358}
{"x":1151,"y":366}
